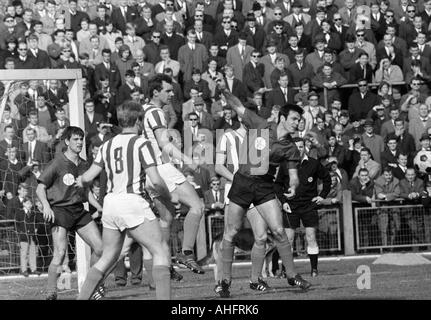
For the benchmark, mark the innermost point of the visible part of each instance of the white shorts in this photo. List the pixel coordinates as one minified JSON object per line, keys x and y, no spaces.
{"x":125,"y":211}
{"x":171,"y":175}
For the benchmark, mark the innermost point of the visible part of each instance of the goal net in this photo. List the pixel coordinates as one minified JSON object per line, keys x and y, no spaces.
{"x":26,"y":246}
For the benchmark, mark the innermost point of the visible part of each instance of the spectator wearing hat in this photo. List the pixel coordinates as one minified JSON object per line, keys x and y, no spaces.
{"x":261,"y":19}
{"x":314,"y":26}
{"x":315,"y":58}
{"x":239,"y":55}
{"x":419,"y":124}
{"x":297,"y":16}
{"x":373,"y":141}
{"x":40,"y":56}
{"x":9,"y":32}
{"x":299,"y":69}
{"x":256,"y":34}
{"x":379,"y":115}
{"x":367,"y":46}
{"x":362,"y":101}
{"x":253,"y":74}
{"x":269,"y":61}
{"x":329,"y":80}
{"x":191,"y":56}
{"x":39,"y":9}
{"x":350,"y":55}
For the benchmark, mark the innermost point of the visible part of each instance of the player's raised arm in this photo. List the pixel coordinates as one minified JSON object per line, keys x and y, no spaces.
{"x":234,"y":102}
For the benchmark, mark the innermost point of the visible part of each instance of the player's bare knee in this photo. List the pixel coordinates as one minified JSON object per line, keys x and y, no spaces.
{"x":260,"y":240}
{"x":279,"y":234}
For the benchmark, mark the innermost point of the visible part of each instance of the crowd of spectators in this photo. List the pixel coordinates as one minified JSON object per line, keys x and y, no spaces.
{"x":267,"y":53}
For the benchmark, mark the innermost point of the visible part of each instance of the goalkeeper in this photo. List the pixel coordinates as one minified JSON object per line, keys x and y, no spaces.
{"x":63,"y":205}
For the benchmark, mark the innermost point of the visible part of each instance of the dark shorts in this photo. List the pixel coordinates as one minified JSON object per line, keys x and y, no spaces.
{"x":246,"y":191}
{"x":71,"y":217}
{"x":305,"y":212}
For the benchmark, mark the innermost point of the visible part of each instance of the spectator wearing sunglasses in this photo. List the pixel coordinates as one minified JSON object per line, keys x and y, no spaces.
{"x":362,"y":101}
{"x":214,"y":198}
{"x":226,"y":38}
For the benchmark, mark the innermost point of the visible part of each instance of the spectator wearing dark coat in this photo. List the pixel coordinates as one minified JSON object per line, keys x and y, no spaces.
{"x":362,"y":101}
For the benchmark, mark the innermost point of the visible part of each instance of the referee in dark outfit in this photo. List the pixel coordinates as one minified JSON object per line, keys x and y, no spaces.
{"x":63,"y":206}
{"x":303,"y":206}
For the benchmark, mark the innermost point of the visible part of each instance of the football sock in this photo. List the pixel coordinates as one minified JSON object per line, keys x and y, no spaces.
{"x":313,"y":254}
{"x":162,"y":279}
{"x":257,"y":260}
{"x":53,"y":275}
{"x":285,"y":252}
{"x":94,"y":276}
{"x":191,"y":227}
{"x":227,"y":258}
{"x":148,"y":265}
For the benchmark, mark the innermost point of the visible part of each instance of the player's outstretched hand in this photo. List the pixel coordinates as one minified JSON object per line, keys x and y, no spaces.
{"x":290,"y":193}
{"x":48,"y":214}
{"x":317,"y":199}
{"x":78,"y":182}
{"x":231,"y":99}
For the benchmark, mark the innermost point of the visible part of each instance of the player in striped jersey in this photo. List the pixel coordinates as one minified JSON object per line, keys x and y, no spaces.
{"x":227,"y":164}
{"x":128,"y":160}
{"x":155,"y":129}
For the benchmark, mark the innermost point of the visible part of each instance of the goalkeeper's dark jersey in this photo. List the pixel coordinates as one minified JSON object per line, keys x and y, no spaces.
{"x":59,"y":178}
{"x":263,"y":152}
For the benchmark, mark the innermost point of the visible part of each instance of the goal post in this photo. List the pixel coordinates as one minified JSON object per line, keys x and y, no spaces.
{"x":76,"y":118}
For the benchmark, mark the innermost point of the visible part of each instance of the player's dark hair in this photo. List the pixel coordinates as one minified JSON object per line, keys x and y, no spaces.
{"x":156,"y":83}
{"x":128,"y":113}
{"x":72,"y":131}
{"x":363,"y":170}
{"x":298,"y":139}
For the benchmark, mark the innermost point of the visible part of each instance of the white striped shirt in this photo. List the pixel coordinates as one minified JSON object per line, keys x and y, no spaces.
{"x":153,"y":119}
{"x":229,"y":145}
{"x":125,"y":158}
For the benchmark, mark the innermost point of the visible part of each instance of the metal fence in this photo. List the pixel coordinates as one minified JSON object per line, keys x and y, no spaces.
{"x":391,"y":226}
